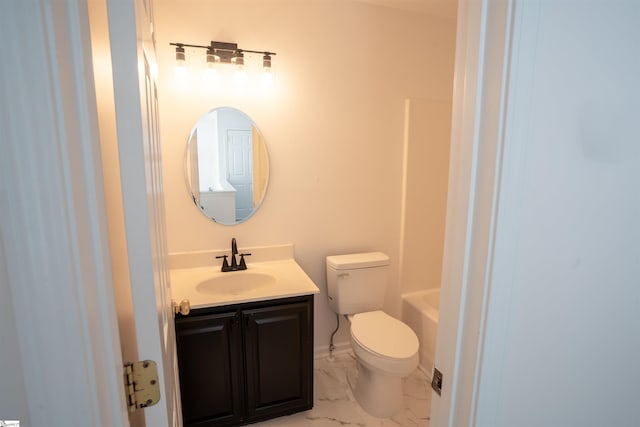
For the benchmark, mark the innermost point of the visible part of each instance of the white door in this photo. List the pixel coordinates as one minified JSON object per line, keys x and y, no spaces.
{"x":239,"y":169}
{"x":52,"y":216}
{"x":133,"y":50}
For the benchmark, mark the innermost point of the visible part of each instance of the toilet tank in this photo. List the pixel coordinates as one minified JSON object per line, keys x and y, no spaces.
{"x":357,"y":282}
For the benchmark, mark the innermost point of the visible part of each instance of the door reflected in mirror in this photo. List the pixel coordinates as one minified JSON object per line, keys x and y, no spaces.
{"x":226,"y":166}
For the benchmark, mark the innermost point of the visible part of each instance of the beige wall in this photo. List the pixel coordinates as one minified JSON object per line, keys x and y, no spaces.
{"x":334,"y":124}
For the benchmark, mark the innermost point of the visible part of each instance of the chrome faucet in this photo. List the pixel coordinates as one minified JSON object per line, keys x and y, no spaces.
{"x":235,"y":266}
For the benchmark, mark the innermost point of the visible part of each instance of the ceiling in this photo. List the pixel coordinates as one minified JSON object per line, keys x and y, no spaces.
{"x":443,"y":8}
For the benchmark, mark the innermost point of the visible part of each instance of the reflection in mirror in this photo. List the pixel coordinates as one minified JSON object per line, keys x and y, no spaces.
{"x":226,"y":166}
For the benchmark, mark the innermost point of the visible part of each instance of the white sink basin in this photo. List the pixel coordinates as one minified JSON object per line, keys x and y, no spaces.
{"x":236,"y":283}
{"x":275,"y":275}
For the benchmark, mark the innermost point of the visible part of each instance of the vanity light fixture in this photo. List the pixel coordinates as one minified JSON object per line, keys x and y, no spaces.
{"x":267,"y":77}
{"x":180,"y":57}
{"x":266,"y":62}
{"x":212,"y":58}
{"x":181,"y":70}
{"x":238,"y":58}
{"x":224,"y":53}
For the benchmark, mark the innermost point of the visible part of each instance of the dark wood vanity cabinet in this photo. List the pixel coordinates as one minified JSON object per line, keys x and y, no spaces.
{"x":210,"y":367}
{"x":245,"y":363}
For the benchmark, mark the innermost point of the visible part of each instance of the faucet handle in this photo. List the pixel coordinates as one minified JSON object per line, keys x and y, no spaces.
{"x":225,"y":264}
{"x":243,"y":265}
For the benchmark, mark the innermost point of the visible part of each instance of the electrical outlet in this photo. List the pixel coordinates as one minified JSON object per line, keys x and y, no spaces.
{"x":436,"y":383}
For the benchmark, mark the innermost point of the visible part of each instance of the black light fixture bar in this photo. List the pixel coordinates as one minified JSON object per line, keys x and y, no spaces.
{"x":225,"y":51}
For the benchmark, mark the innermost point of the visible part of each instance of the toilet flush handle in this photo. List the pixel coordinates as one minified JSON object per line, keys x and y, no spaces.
{"x":343,"y":276}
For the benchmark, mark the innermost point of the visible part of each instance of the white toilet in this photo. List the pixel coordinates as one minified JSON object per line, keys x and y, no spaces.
{"x":386,"y":349}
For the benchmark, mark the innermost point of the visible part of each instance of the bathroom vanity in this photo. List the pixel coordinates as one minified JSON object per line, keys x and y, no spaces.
{"x":246,"y":362}
{"x":245,"y":348}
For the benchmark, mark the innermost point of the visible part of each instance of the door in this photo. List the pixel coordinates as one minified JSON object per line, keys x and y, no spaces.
{"x":133,"y":59}
{"x":279,"y":348}
{"x":239,"y":167}
{"x":58,"y":262}
{"x":210,"y":363}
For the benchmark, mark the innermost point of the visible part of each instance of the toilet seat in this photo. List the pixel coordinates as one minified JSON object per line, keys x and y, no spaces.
{"x":384,"y":336}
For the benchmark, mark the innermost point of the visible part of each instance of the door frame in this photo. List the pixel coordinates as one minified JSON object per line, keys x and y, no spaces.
{"x":483,"y":55}
{"x":242,"y":188}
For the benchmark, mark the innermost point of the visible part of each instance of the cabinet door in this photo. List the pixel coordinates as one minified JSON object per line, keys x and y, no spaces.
{"x":210,"y":367}
{"x":279,"y":363}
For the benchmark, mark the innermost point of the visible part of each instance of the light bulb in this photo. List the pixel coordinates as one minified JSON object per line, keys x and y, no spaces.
{"x":181,"y":72}
{"x":240,"y":75}
{"x":267,"y":78}
{"x":211,"y":74}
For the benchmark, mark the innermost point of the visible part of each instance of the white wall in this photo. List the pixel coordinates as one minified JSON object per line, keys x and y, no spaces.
{"x":333,"y":124}
{"x":562,"y":337}
{"x":426,"y":166}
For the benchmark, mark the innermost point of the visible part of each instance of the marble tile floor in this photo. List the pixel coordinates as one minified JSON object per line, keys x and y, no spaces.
{"x":335,"y":405}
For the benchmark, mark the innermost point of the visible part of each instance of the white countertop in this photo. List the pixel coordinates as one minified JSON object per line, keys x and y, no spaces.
{"x":275,"y":262}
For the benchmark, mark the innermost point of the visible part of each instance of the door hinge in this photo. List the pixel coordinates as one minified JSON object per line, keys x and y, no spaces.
{"x":141,"y":384}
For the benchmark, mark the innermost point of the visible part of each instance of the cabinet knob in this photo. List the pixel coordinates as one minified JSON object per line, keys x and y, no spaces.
{"x":183,"y":308}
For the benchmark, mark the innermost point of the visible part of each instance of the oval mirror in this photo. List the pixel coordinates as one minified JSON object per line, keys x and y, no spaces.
{"x":226,"y":166}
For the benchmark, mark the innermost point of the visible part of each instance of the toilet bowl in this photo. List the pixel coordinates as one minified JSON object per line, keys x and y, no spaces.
{"x":386,"y":351}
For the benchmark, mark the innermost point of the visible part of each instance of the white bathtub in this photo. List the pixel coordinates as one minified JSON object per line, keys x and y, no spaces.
{"x":420,"y":312}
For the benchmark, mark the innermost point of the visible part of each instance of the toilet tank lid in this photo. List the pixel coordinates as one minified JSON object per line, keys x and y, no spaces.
{"x":360,"y":260}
